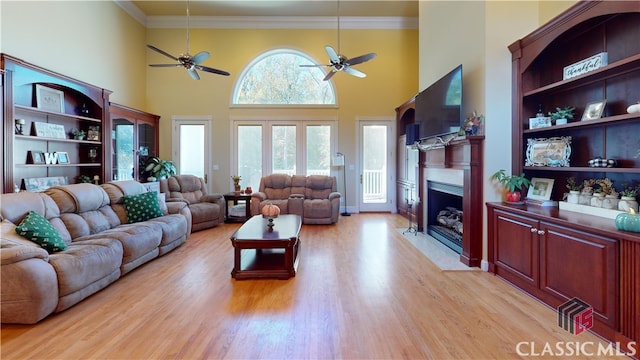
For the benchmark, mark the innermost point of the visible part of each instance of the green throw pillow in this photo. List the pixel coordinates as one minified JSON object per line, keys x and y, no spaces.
{"x":142,"y":207}
{"x":37,"y":229}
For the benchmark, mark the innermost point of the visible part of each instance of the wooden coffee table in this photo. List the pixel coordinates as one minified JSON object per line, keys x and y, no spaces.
{"x":260,"y":253}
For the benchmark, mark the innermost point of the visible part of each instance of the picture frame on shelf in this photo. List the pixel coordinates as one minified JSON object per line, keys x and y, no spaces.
{"x":49,"y":99}
{"x":540,"y":189}
{"x":93,"y":133}
{"x":539,"y":122}
{"x":594,"y":110}
{"x":62,"y":156}
{"x":553,"y":152}
{"x":54,"y":131}
{"x":43,"y":183}
{"x":35,"y":157}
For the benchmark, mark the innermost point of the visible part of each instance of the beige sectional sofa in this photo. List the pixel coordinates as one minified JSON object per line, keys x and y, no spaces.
{"x":314,"y":197}
{"x":101,"y":246}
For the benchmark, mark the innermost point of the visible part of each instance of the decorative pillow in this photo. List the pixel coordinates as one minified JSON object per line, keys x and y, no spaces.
{"x":142,"y":207}
{"x":36,"y":228}
{"x":163,"y":203}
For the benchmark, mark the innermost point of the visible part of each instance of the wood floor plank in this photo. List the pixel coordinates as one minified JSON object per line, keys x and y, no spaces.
{"x":362,"y":291}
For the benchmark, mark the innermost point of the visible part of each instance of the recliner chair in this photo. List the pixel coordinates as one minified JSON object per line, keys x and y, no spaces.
{"x":207,"y":210}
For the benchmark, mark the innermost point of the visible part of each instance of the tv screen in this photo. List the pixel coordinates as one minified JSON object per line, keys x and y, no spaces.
{"x":439,"y":107}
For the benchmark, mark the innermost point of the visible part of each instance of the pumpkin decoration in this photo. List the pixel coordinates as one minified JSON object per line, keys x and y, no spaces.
{"x":270,"y":211}
{"x":628,"y":221}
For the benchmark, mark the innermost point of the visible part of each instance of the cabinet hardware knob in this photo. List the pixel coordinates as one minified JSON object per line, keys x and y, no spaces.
{"x":540,"y":232}
{"x":533,"y":230}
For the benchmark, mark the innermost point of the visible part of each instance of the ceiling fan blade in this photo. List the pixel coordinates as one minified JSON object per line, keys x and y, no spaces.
{"x":164,"y":65}
{"x":329,"y":75}
{"x":360,"y":59}
{"x":212,"y":70}
{"x":333,"y":55}
{"x":162,"y":52}
{"x":313,"y":65}
{"x":200,"y":57}
{"x":193,"y":73}
{"x":354,"y":72}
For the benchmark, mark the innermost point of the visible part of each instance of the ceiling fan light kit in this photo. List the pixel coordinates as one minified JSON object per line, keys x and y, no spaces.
{"x":190,"y":63}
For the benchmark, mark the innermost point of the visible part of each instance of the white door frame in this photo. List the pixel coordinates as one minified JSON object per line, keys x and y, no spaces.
{"x":389,"y":206}
{"x":206,"y":120}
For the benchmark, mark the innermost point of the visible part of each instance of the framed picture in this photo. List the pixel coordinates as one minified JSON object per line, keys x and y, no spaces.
{"x":63,"y":157}
{"x":540,"y":189}
{"x":594,"y":110}
{"x":49,"y":99}
{"x":539,"y":122}
{"x":43,"y":183}
{"x":548,"y":152}
{"x":93,"y":134}
{"x":35,"y":157}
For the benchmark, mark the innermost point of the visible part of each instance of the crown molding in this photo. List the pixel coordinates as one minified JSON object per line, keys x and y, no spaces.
{"x":268,"y":22}
{"x":281,"y":22}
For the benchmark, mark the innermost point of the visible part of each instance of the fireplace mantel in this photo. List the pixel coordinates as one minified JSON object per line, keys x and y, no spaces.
{"x":461,"y":158}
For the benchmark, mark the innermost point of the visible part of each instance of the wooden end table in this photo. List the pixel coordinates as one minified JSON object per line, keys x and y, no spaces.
{"x":235,"y":198}
{"x":275,"y":253}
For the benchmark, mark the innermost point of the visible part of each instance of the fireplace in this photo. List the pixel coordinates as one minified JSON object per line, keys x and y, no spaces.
{"x":444,"y":214}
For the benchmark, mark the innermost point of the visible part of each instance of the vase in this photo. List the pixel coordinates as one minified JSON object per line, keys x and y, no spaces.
{"x":628,"y":202}
{"x":596,"y":200}
{"x":248,"y":190}
{"x":585,"y":198}
{"x":610,"y":202}
{"x":237,"y":188}
{"x":513,"y":196}
{"x":573,"y":197}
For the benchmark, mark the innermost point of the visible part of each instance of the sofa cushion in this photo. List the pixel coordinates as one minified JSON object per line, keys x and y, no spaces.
{"x":37,"y":229}
{"x":142,"y":207}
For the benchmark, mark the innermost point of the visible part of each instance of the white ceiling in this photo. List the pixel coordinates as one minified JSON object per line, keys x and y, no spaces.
{"x":367,"y":8}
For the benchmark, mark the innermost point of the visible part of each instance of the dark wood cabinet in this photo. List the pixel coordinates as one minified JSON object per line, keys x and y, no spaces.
{"x":134,"y":140}
{"x":408,"y":174}
{"x":50,"y":106}
{"x":555,"y":254}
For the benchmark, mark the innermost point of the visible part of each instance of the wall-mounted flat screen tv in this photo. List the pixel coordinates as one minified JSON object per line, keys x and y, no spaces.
{"x":439,"y":107}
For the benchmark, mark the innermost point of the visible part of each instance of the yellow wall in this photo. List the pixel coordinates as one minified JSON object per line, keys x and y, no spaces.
{"x":391,"y":80}
{"x":93,"y":41}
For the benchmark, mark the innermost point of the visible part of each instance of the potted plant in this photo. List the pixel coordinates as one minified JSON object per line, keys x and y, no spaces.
{"x":78,"y":134}
{"x":574,"y":190}
{"x":565,"y":113}
{"x":511,"y":183}
{"x":628,"y":199}
{"x":160,"y":169}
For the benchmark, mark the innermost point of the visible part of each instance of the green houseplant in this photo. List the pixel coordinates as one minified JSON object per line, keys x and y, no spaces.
{"x":511,"y":183}
{"x":78,"y":134}
{"x":562,"y":113}
{"x":160,"y":169}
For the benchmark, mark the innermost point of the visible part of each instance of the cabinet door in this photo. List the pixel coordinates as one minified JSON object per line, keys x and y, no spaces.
{"x":578,"y":264}
{"x":124,"y":145}
{"x":516,"y":249}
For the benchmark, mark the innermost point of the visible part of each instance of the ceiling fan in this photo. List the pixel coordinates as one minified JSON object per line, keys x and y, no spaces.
{"x":190,"y":63}
{"x":339,"y":62}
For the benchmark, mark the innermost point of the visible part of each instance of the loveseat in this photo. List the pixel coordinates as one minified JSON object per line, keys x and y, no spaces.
{"x":314,"y":197}
{"x":101,"y":246}
{"x":207,"y":210}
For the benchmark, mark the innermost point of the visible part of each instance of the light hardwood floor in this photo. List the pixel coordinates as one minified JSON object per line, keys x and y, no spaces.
{"x":361,"y":292}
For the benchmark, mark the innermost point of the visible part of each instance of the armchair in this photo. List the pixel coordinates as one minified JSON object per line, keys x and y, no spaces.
{"x":207,"y":210}
{"x":321,"y":200}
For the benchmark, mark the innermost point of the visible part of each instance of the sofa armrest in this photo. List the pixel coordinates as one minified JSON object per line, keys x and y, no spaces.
{"x":176,"y":207}
{"x":169,"y":200}
{"x":212,"y":198}
{"x":335,"y":195}
{"x":259,"y":195}
{"x":13,"y":253}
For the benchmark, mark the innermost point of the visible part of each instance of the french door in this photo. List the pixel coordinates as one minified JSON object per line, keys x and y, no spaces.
{"x":191,"y":147}
{"x":376,"y":165}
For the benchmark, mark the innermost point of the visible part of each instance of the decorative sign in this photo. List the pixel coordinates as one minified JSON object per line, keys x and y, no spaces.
{"x":584,"y":66}
{"x":539,"y":122}
{"x":55,"y":131}
{"x":50,"y":158}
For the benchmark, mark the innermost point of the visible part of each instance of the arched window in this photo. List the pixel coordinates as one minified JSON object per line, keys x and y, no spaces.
{"x":276,"y":78}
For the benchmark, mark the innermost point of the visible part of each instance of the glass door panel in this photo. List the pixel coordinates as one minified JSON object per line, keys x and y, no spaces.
{"x":249,"y":142}
{"x":318,"y":149}
{"x":283,"y":149}
{"x":123,"y":150}
{"x":192,"y":153}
